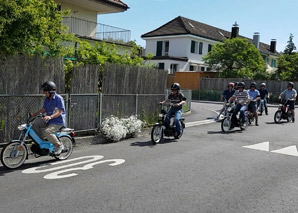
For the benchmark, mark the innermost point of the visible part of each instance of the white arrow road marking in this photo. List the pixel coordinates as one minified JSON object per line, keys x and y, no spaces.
{"x":264,"y":146}
{"x":290,"y":150}
{"x":198,"y":123}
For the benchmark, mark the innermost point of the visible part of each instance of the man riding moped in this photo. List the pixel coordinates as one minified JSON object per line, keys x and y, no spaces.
{"x":55,"y":116}
{"x":290,"y":95}
{"x":254,"y":96}
{"x":177,"y":99}
{"x":242,"y":97}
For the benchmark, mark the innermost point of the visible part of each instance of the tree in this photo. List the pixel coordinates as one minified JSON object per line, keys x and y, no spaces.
{"x":288,"y":67}
{"x":290,"y":46}
{"x":31,"y":26}
{"x":236,"y":57}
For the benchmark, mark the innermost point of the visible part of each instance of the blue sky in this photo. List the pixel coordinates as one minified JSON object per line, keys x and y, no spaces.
{"x":273,"y":19}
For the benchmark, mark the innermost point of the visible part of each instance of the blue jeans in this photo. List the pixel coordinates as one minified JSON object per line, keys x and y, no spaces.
{"x":242,"y":109}
{"x":178,"y":114}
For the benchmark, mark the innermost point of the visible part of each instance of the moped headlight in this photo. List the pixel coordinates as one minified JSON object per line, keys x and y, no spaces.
{"x":160,"y":115}
{"x":22,"y":127}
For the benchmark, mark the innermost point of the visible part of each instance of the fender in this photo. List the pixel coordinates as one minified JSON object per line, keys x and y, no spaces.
{"x":66,"y":135}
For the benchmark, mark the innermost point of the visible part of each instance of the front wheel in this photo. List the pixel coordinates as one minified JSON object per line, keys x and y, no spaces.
{"x":14,"y":155}
{"x":277,"y":116}
{"x":182,"y":127}
{"x":156,"y":134}
{"x":243,"y":126}
{"x":226,"y":124}
{"x":290,"y":116}
{"x":68,"y":147}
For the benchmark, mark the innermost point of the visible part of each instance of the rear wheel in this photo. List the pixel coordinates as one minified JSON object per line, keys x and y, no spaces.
{"x":226,"y":124}
{"x":68,"y":147}
{"x":156,"y":134}
{"x":277,"y":116}
{"x":14,"y":155}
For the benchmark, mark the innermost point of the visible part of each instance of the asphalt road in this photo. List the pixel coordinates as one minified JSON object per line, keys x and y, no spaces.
{"x":204,"y":171}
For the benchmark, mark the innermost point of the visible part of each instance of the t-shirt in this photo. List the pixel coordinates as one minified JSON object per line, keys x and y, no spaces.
{"x":241,"y":96}
{"x":263,"y":93}
{"x":253,"y":94}
{"x":176,"y":99}
{"x":289,"y":94}
{"x":53,"y":105}
{"x":227,"y":94}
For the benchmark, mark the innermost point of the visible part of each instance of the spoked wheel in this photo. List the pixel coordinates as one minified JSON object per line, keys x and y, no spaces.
{"x":277,"y":116}
{"x":14,"y":155}
{"x":156,"y":134}
{"x":226,"y":124}
{"x":68,"y":147}
{"x":290,"y":117}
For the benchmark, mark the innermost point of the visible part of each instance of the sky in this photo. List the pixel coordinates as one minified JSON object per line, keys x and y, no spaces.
{"x":273,"y":19}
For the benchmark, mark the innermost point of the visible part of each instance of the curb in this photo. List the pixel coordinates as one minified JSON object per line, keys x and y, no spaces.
{"x":218,"y":102}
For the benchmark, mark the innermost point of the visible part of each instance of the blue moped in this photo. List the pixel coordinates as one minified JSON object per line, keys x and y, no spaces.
{"x":15,"y":152}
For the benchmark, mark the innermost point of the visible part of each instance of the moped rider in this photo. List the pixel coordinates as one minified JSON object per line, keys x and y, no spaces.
{"x":263,"y":95}
{"x":54,"y":119}
{"x":290,"y":94}
{"x":226,"y":95}
{"x":254,"y":96}
{"x":177,"y":99}
{"x":242,"y":97}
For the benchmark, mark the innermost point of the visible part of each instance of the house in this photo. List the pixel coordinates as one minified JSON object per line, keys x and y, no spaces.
{"x":83,"y":21}
{"x":181,"y":44}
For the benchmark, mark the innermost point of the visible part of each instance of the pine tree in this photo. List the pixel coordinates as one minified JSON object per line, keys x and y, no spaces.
{"x":291,"y":46}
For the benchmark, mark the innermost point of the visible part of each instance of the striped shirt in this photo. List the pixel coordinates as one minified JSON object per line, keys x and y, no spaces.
{"x":241,"y":97}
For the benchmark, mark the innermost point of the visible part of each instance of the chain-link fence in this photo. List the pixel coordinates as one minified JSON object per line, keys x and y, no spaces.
{"x":83,"y":111}
{"x":188,"y":96}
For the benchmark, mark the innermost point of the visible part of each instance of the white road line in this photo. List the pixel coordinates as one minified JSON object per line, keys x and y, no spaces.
{"x":290,"y":150}
{"x":198,"y":123}
{"x":259,"y":146}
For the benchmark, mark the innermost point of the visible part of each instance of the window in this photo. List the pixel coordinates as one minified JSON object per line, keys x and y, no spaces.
{"x":193,"y":47}
{"x":191,"y":68}
{"x":162,"y":48}
{"x":209,"y":47}
{"x":267,"y":60}
{"x":161,"y":66}
{"x":173,"y":68}
{"x":202,"y":69}
{"x":208,"y":69}
{"x":201,"y":48}
{"x":273,"y":63}
{"x":159,"y":48}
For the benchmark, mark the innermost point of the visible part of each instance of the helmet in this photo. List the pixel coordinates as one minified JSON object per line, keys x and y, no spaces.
{"x":241,"y":84}
{"x":231,"y":84}
{"x":49,"y":86}
{"x":175,"y":86}
{"x":263,"y":85}
{"x":291,"y":84}
{"x":253,"y":84}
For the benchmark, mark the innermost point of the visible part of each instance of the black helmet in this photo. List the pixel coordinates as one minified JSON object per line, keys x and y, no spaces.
{"x":241,"y":84}
{"x":253,"y":84}
{"x":175,"y":86}
{"x":291,"y":84}
{"x":49,"y":86}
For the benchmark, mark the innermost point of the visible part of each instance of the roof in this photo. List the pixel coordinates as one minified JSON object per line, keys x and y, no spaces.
{"x":185,"y":26}
{"x":118,"y":2}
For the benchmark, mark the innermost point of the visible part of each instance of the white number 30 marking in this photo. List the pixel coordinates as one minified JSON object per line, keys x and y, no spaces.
{"x":91,"y":161}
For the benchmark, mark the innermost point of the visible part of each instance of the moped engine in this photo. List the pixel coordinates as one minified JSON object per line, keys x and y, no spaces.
{"x":38,"y":151}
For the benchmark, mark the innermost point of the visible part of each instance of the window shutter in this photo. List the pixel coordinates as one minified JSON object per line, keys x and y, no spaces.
{"x":193,"y":47}
{"x":159,"y":48}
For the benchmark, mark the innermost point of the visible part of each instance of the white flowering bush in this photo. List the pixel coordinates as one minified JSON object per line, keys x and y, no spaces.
{"x":116,"y":129}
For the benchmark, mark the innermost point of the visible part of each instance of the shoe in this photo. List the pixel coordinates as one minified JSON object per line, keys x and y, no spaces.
{"x":257,"y":124}
{"x":59,"y":149}
{"x":293,"y":120}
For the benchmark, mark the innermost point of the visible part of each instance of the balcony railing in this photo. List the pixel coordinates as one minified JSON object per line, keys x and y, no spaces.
{"x":96,"y":30}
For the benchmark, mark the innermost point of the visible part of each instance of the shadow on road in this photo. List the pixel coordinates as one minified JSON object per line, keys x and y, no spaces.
{"x":4,"y":170}
{"x":280,"y":123}
{"x":150,"y":144}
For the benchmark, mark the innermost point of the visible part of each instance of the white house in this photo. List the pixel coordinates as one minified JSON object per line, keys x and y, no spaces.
{"x":181,"y":44}
{"x":83,"y":21}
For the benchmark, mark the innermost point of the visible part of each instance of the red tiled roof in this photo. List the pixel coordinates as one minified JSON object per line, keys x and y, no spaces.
{"x":183,"y":26}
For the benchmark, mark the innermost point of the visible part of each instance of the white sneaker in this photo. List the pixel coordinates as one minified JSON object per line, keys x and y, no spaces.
{"x":59,"y":149}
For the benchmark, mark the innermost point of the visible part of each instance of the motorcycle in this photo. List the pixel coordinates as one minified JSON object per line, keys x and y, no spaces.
{"x":160,"y":129}
{"x":283,"y":112}
{"x":15,"y":152}
{"x":228,"y":123}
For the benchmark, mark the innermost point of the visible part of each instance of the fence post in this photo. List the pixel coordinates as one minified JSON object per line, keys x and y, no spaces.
{"x":137,"y":97}
{"x":100,"y":109}
{"x":67,"y":108}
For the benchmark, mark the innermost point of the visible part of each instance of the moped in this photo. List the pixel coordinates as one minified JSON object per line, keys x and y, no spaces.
{"x":160,"y":129}
{"x":283,"y":112}
{"x":15,"y":152}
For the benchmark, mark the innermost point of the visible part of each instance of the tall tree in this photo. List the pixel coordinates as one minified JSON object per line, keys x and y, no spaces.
{"x":290,"y":46}
{"x":288,"y":66}
{"x":31,"y":26}
{"x":236,"y":57}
